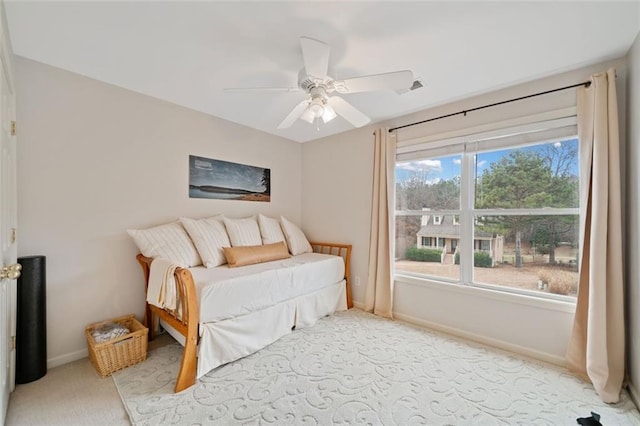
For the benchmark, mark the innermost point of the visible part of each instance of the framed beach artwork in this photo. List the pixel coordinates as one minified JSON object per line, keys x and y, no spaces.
{"x":223,"y":180}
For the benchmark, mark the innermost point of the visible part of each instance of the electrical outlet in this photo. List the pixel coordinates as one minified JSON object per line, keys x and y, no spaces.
{"x":357,"y":281}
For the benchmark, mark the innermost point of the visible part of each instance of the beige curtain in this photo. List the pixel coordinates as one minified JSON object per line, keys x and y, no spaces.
{"x":596,"y":348}
{"x":379,"y":291}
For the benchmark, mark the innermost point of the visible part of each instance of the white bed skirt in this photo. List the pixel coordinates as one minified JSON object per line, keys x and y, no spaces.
{"x":231,"y":339}
{"x":228,"y":340}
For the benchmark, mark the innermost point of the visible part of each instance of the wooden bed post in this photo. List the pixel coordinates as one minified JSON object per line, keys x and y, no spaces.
{"x":344,"y":251}
{"x":145,"y":263}
{"x":347,"y":275}
{"x":190,"y":319}
{"x":184,"y":320}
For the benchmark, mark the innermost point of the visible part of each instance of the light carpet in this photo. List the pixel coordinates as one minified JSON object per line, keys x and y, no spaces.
{"x":357,"y":368}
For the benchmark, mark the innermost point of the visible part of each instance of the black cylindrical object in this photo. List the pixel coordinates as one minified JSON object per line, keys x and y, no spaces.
{"x":31,"y":324}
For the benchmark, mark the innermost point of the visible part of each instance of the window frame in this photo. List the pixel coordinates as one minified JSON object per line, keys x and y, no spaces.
{"x":468,"y":147}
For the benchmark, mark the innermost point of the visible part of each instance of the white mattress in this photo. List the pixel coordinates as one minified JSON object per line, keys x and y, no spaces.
{"x":225,"y":292}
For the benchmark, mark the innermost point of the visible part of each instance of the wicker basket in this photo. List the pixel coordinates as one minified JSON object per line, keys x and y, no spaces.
{"x":121,"y":352}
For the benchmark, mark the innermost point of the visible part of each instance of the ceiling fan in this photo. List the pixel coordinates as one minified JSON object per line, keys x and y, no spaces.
{"x":315,"y":80}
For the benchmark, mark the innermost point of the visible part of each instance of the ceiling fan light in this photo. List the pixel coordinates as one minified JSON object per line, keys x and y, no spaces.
{"x":316,"y":109}
{"x":329,"y":114}
{"x":308,"y":115}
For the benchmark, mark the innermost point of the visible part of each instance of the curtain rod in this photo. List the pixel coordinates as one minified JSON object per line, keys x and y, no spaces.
{"x":584,"y":83}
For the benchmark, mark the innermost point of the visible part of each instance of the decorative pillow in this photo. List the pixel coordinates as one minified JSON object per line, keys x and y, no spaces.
{"x":243,"y":232}
{"x":270,"y":230}
{"x":169,"y":242}
{"x":249,"y":255}
{"x":296,"y":240}
{"x":209,"y":236}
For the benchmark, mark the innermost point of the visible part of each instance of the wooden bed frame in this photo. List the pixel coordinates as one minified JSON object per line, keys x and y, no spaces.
{"x":187,"y":323}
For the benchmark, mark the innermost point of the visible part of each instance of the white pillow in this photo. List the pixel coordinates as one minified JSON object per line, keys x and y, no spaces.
{"x":296,"y":240}
{"x":243,"y":232}
{"x":169,"y":242}
{"x":270,"y":230}
{"x":209,"y":236}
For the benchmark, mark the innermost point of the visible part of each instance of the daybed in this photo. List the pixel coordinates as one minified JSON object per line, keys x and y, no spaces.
{"x":225,"y":313}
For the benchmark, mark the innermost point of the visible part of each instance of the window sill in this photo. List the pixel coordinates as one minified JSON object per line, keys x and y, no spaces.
{"x":487,"y":293}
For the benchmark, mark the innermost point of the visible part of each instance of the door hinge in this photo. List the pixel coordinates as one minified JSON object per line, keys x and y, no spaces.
{"x":12,"y":342}
{"x":13,"y":128}
{"x":14,"y":235}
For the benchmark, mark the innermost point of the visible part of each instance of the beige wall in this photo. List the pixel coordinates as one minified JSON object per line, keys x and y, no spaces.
{"x":633,"y":219}
{"x":336,"y":199}
{"x":95,"y":160}
{"x":341,"y":205}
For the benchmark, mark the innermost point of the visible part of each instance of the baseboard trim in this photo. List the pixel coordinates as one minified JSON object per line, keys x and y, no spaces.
{"x":635,"y":395}
{"x":83,"y":353}
{"x":358,"y":305}
{"x":489,"y":341}
{"x":543,"y":356}
{"x":67,"y":358}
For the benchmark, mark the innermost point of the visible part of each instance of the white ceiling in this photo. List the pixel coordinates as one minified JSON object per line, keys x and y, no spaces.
{"x":186,"y":52}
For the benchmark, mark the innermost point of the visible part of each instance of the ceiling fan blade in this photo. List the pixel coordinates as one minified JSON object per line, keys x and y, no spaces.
{"x":348,"y":111}
{"x":390,"y":80}
{"x":316,"y":57}
{"x":261,"y":89}
{"x":295,"y":113}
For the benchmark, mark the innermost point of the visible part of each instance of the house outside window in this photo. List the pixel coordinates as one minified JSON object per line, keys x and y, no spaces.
{"x":503,"y":208}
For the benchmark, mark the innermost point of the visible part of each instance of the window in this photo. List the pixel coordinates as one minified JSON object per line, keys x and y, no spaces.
{"x":505,"y":209}
{"x":483,"y":245}
{"x":426,"y":185}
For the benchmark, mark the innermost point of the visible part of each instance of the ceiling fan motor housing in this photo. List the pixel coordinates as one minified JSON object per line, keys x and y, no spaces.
{"x":307,"y":83}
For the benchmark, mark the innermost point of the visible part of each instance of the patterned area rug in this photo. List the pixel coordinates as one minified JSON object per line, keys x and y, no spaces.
{"x":356,"y":368}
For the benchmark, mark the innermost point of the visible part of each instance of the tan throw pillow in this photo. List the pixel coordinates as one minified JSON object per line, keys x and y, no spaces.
{"x":296,"y":239}
{"x":249,"y":255}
